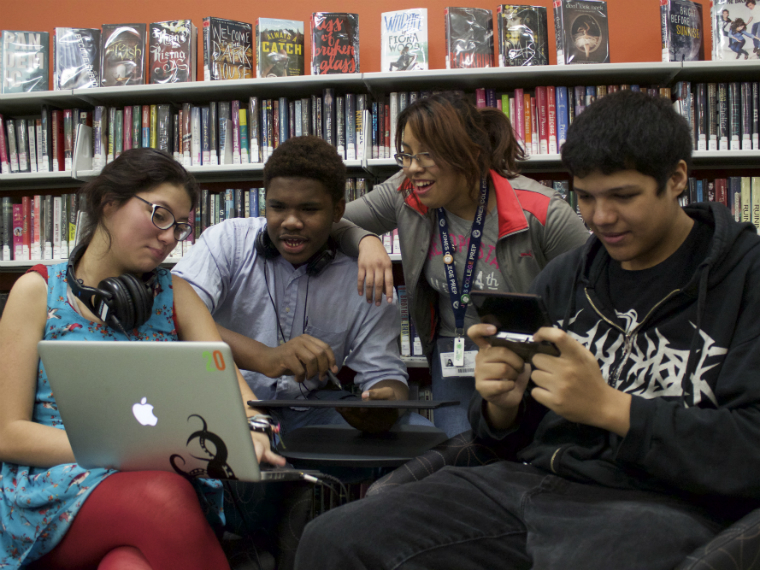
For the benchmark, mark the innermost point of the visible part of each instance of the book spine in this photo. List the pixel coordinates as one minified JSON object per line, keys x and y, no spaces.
{"x":559,"y":32}
{"x":72,"y":233}
{"x":47,"y":140}
{"x":31,"y":129}
{"x":164,"y":128}
{"x":235,"y":116}
{"x":723,"y":134}
{"x":746,"y":190}
{"x":97,"y":134}
{"x":213,"y":133}
{"x":154,"y":126}
{"x":665,"y":29}
{"x":47,"y":227}
{"x":406,"y":348}
{"x":254,"y":207}
{"x":34,"y":251}
{"x":528,"y":124}
{"x":243,"y":122}
{"x":195,"y":137}
{"x":340,"y":126}
{"x":205,"y":139}
{"x":543,"y":120}
{"x":111,"y":133}
{"x":264,"y":120}
{"x":746,"y":113}
{"x":756,"y":117}
{"x":562,"y":117}
{"x":480,"y":98}
{"x":755,"y":184}
{"x":712,"y":116}
{"x":26,"y":231}
{"x":187,"y":133}
{"x":306,"y":116}
{"x":145,"y":126}
{"x":68,"y":139}
{"x":56,"y":120}
{"x":127,"y":139}
{"x":291,"y":119}
{"x":22,"y":144}
{"x":393,"y":117}
{"x":271,"y":130}
{"x":56,"y":229}
{"x":328,"y":103}
{"x":65,"y":226}
{"x":253,"y":130}
{"x":274,"y":121}
{"x":361,"y":140}
{"x":350,"y":126}
{"x":283,"y":120}
{"x":375,"y":132}
{"x":551,"y":118}
{"x":734,"y":105}
{"x":262,"y":203}
{"x":136,"y":125}
{"x":5,"y":167}
{"x":298,"y":120}
{"x":118,"y":133}
{"x":18,"y":228}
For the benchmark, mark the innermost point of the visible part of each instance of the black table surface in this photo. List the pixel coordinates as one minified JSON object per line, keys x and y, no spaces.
{"x":315,"y":446}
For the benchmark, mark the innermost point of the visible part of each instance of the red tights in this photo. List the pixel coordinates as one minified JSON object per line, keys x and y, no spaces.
{"x":142,"y":520}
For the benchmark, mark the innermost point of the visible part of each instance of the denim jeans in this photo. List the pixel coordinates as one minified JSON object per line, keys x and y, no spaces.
{"x":509,"y":516}
{"x":452,"y":419}
{"x":293,"y":419}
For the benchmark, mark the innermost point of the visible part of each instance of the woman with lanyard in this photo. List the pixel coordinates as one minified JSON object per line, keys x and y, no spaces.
{"x":466,"y":221}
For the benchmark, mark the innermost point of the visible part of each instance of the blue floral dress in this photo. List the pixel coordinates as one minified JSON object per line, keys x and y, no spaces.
{"x":38,"y":505}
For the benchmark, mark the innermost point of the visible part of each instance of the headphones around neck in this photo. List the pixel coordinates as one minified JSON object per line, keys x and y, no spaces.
{"x":124,"y":302}
{"x":316,"y":265}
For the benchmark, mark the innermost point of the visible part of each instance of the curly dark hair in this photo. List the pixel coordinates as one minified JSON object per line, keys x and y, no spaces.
{"x":628,"y":130}
{"x":308,"y":157}
{"x":134,"y":171}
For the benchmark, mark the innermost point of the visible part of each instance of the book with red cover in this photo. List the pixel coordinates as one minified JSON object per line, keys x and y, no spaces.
{"x":5,"y":167}
{"x":469,"y":38}
{"x":551,"y":116}
{"x":26,"y":235}
{"x":334,"y":43}
{"x":542,"y":114}
{"x":18,"y":232}
{"x":58,"y":144}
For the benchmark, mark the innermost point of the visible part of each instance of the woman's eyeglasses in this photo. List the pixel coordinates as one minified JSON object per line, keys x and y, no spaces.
{"x":163,"y":219}
{"x":404,"y":159}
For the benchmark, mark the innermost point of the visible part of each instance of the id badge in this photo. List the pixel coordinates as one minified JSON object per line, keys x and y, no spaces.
{"x":448,"y":368}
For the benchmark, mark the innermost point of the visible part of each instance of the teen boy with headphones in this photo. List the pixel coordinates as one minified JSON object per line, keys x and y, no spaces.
{"x":285,"y":299}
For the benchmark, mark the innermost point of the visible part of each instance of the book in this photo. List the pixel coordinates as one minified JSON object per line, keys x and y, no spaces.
{"x":681,"y":30}
{"x":172,"y":46}
{"x":469,"y":38}
{"x":7,"y":241}
{"x":581,"y":31}
{"x":18,"y":232}
{"x":406,"y":346}
{"x":334,"y":43}
{"x":24,"y":61}
{"x":523,"y":35}
{"x":404,"y":40}
{"x":280,"y":47}
{"x":228,"y":49}
{"x":76,"y":58}
{"x":735,"y":30}
{"x":122,"y":54}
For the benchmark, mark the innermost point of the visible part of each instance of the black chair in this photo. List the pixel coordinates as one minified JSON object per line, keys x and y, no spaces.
{"x":736,"y":548}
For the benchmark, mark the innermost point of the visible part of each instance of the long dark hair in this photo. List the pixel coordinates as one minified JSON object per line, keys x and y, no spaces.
{"x":136,"y":170}
{"x":455,"y":132}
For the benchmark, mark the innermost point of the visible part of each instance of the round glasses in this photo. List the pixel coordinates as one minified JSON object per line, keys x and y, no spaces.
{"x":163,"y":219}
{"x":404,"y":159}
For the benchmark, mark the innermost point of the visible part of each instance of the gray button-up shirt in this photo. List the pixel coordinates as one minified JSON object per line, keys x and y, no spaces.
{"x":228,"y":274}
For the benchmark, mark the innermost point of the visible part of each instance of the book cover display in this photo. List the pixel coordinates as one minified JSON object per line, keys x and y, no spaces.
{"x":280,"y":48}
{"x":735,"y":29}
{"x":404,"y":40}
{"x":523,"y":36}
{"x":171,"y":52}
{"x":334,"y":43}
{"x":122,"y":52}
{"x":581,"y":30}
{"x":227,"y":49}
{"x":469,"y":38}
{"x":681,"y":27}
{"x":76,"y":58}
{"x":24,"y":61}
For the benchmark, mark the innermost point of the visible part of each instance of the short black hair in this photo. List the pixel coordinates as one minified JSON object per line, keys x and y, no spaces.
{"x":308,"y":157}
{"x":628,"y":130}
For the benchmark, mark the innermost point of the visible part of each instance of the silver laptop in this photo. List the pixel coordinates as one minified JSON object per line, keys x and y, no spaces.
{"x":167,"y":406}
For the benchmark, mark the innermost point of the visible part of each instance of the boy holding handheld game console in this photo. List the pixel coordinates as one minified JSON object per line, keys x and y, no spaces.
{"x":638,"y":443}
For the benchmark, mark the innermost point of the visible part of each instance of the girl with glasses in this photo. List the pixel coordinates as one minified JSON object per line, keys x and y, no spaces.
{"x":55,"y":514}
{"x":466,"y":221}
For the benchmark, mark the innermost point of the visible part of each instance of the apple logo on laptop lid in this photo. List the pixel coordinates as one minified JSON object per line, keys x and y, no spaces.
{"x":143,"y":413}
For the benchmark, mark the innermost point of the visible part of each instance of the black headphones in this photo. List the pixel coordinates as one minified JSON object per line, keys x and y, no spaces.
{"x":124,"y":302}
{"x":315,"y":265}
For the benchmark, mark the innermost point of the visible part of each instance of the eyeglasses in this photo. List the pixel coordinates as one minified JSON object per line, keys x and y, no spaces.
{"x":424,"y":159}
{"x":163,"y":219}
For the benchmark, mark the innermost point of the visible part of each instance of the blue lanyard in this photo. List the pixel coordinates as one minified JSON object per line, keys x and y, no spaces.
{"x":459,"y":301}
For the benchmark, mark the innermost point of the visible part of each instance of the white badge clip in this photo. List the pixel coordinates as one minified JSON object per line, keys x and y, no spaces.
{"x":459,"y":351}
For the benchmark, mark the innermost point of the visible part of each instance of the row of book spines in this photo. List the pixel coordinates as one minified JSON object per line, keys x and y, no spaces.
{"x":740,"y":194}
{"x":45,"y":144}
{"x":723,"y":116}
{"x":40,"y":227}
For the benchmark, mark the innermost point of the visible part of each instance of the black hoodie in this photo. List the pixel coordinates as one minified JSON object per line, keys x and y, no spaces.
{"x":692,"y":367}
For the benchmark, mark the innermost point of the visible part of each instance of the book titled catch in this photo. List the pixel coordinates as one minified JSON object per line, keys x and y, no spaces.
{"x":523,"y":36}
{"x":171,"y":52}
{"x":334,"y":43}
{"x":404,"y":40}
{"x":469,"y":38}
{"x":280,"y":45}
{"x":122,"y":53}
{"x":24,"y":61}
{"x":227,"y":49}
{"x":681,"y":30}
{"x":581,"y":31}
